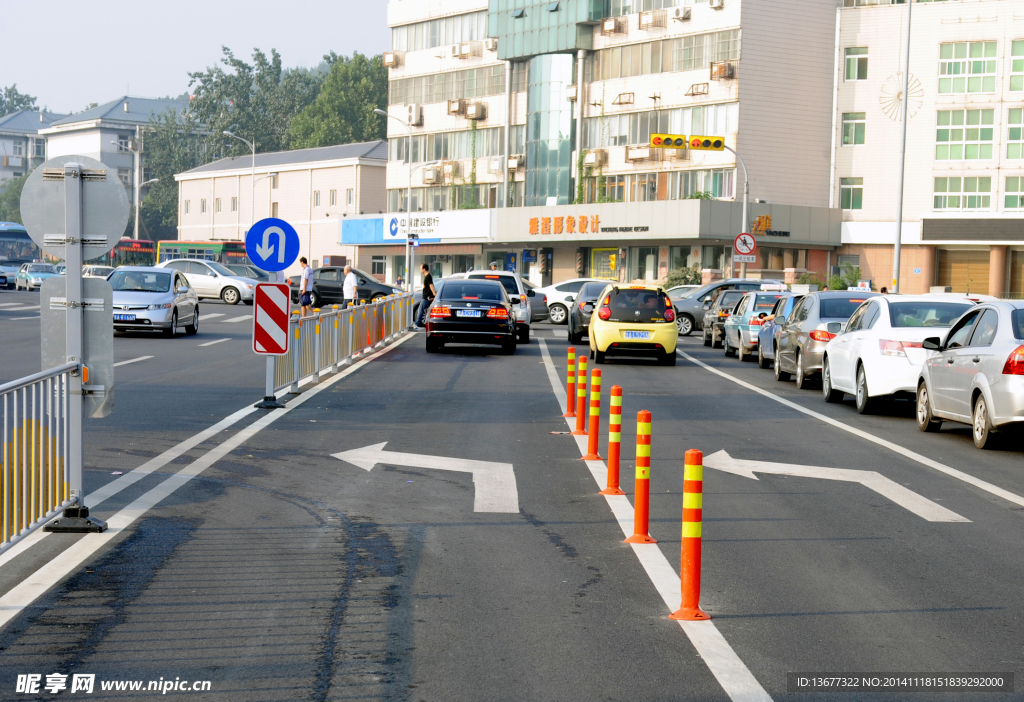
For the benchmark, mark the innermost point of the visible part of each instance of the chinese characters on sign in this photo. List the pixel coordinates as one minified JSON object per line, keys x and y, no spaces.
{"x":572,"y":225}
{"x":763,"y":227}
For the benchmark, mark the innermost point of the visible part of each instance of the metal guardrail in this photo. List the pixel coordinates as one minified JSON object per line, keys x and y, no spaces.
{"x":35,"y":466}
{"x":330,"y":338}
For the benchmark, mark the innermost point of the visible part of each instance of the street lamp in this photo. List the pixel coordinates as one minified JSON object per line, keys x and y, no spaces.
{"x":408,"y":156}
{"x":134,"y":146}
{"x":252,"y":201}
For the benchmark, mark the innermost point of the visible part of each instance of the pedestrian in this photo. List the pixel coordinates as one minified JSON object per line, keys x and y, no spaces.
{"x":306,"y":288}
{"x":348,"y":288}
{"x":884,"y":290}
{"x":494,"y":265}
{"x":825,"y":289}
{"x":429,"y":293}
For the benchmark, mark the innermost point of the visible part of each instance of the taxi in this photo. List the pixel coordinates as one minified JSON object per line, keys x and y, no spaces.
{"x":634,"y":320}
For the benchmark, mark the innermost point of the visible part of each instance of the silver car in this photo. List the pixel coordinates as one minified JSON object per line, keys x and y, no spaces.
{"x":690,"y":310}
{"x":153,"y":299}
{"x":212,"y":280}
{"x":815,"y":321}
{"x":977,"y":375}
{"x":768,"y":335}
{"x":522,"y":298}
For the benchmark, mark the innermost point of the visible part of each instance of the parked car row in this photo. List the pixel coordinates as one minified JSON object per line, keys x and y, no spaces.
{"x":960,"y":358}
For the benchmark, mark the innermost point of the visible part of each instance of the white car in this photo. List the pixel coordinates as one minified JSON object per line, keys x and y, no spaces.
{"x":561,"y":295}
{"x":880,"y":352}
{"x":96,"y":271}
{"x":211,"y":280}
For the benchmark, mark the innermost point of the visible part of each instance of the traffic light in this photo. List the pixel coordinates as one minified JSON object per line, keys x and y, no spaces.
{"x":707,"y":143}
{"x":668,"y":141}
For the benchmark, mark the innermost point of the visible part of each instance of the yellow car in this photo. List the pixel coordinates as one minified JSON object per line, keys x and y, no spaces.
{"x":634,"y":320}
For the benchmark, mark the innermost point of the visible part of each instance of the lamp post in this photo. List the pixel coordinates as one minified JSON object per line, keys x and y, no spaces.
{"x":903,"y":157}
{"x":746,"y":196}
{"x":408,"y":191}
{"x":252,"y":201}
{"x":135,"y":147}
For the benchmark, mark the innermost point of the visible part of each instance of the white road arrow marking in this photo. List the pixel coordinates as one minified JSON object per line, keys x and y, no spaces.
{"x":921,"y":506}
{"x":266,"y":250}
{"x":495,"y":482}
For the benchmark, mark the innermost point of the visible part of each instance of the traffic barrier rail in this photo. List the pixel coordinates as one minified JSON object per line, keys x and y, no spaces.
{"x":35,"y":485}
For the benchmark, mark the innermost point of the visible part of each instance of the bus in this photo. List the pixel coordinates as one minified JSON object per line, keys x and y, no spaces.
{"x":219,"y":251}
{"x":16,"y":248}
{"x":130,"y":252}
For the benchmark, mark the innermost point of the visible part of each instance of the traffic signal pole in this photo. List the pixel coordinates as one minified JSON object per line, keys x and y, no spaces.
{"x":745,"y":227}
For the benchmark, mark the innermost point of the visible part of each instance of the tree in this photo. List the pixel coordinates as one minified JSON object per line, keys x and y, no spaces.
{"x":343,"y":112}
{"x":173,"y":144}
{"x":11,"y":100}
{"x":848,"y":279}
{"x":683,"y":276}
{"x":10,"y":200}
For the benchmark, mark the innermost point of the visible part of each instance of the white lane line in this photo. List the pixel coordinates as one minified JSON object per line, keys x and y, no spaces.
{"x":731,"y":673}
{"x":22,"y":309}
{"x":26,"y":592}
{"x":233,"y":320}
{"x":132,"y":360}
{"x":15,"y":319}
{"x":214,"y":315}
{"x":11,"y":304}
{"x":912,"y":455}
{"x":211,"y":343}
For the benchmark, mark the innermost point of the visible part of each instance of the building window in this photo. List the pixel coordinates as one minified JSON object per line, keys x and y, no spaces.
{"x":40,"y":147}
{"x":967,"y":67}
{"x":216,"y":205}
{"x":1014,"y":193}
{"x":188,"y":206}
{"x":471,"y":26}
{"x":334,"y":198}
{"x":377,"y":265}
{"x":234,"y":204}
{"x":19,"y":148}
{"x":715,"y":257}
{"x":273,"y":182}
{"x":316,"y":198}
{"x":956,"y":193}
{"x":853,"y":128}
{"x":857,"y":63}
{"x":202,"y":206}
{"x":124,"y":143}
{"x":851,"y":193}
{"x":964,"y":134}
{"x":637,"y":127}
{"x":1014,"y":135}
{"x":350,"y":196}
{"x":1017,"y":66}
{"x":848,"y":260}
{"x":694,"y":52}
{"x":125,"y":174}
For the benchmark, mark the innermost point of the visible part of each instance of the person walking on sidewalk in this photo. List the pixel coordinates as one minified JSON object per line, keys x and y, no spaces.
{"x":306,"y":288}
{"x":348,"y":288}
{"x":429,"y":293}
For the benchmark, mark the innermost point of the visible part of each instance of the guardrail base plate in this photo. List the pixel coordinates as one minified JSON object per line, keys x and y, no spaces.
{"x":76,"y":520}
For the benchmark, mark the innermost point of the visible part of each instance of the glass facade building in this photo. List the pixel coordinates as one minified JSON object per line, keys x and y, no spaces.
{"x":549,"y":130}
{"x":528,"y":28}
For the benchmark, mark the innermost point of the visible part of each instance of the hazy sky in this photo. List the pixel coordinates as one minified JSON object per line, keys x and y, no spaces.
{"x":69,"y":54}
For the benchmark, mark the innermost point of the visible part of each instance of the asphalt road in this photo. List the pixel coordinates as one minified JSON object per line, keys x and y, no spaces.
{"x":280,"y":572}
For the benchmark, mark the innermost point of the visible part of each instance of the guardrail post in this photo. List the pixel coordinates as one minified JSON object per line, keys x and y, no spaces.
{"x":316,"y":347}
{"x":269,"y":400}
{"x":296,"y":352}
{"x":351,"y":331}
{"x":693,"y":517}
{"x":581,"y":396}
{"x":614,"y":442}
{"x":642,"y":494}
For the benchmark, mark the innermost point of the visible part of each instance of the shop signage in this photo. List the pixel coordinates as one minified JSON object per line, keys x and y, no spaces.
{"x":435,"y":226}
{"x":763,"y":227}
{"x":577,"y":225}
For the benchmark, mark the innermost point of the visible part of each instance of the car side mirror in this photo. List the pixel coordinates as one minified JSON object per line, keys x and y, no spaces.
{"x":834,"y":327}
{"x":570,"y":298}
{"x":932,"y":343}
{"x":707,"y":305}
{"x":531,"y":293}
{"x":362,"y":281}
{"x":780,"y":319}
{"x":182,"y":290}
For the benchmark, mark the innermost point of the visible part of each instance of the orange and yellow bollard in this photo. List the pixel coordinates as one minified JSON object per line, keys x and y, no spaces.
{"x":614,"y":442}
{"x":595,"y":415}
{"x":693,"y":515}
{"x":642,"y":494}
{"x":570,"y":388}
{"x":581,"y":396}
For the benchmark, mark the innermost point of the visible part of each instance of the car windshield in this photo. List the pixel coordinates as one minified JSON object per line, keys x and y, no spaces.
{"x":682,"y":293}
{"x":468,"y":290}
{"x":637,"y":305}
{"x":140,"y":281}
{"x":765,"y":303}
{"x":219,"y":268}
{"x":507,"y":281}
{"x":839,"y":307}
{"x":926,"y":313}
{"x":729,"y":299}
{"x":592,"y":290}
{"x":41,"y":268}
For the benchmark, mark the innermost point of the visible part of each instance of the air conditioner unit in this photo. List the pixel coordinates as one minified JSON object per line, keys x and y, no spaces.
{"x":595,"y":157}
{"x":722,"y":70}
{"x":431,"y":175}
{"x":716,"y":4}
{"x":613,"y":25}
{"x":392,"y":60}
{"x":456,"y":107}
{"x":638,"y":153}
{"x":652,"y":18}
{"x":476,"y":111}
{"x":494,"y":165}
{"x":451,"y":169}
{"x":571,"y":93}
{"x":415,"y":115}
{"x":462,"y":51}
{"x":681,"y":14}
{"x":491,"y":44}
{"x":515,"y":162}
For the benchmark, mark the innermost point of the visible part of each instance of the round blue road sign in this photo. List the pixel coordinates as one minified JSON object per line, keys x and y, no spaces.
{"x":272,"y":244}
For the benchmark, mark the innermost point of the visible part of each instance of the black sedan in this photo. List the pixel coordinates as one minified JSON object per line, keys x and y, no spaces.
{"x":471,"y":312}
{"x":582,"y":308}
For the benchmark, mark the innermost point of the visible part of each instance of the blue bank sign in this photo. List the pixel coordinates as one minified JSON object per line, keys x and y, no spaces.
{"x":430,"y":227}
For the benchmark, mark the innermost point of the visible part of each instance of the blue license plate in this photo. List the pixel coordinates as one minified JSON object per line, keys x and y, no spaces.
{"x":640,"y":335}
{"x":467,"y":313}
{"x":124,"y":317}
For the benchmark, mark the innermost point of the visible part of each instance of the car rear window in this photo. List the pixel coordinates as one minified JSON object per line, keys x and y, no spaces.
{"x":1017,"y":319}
{"x":926,"y":313}
{"x":507,"y":281}
{"x":469,"y":290}
{"x":592,"y":289}
{"x":637,"y":305}
{"x":765,"y":303}
{"x":729,"y":299}
{"x":840,"y":307}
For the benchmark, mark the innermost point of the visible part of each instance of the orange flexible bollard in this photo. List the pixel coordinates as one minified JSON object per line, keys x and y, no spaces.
{"x":570,"y":387}
{"x":693,"y":515}
{"x":642,"y":496}
{"x":614,"y":442}
{"x":581,"y":397}
{"x":595,"y":415}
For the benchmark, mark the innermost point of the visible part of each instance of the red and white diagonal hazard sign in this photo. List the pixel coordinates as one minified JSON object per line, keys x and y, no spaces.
{"x":270,"y":326}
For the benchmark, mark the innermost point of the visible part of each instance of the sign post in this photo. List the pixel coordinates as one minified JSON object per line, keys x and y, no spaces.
{"x":272,"y":245}
{"x":744,"y":248}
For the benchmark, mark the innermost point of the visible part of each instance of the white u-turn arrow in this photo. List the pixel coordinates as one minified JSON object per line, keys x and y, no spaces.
{"x":495,"y":483}
{"x":908,"y":499}
{"x":266,"y":250}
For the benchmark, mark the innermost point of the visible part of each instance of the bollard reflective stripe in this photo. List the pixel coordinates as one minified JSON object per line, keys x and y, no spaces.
{"x":581,"y":396}
{"x":595,"y":415}
{"x":642,"y":496}
{"x":614,"y":442}
{"x":693,"y":517}
{"x":570,"y":386}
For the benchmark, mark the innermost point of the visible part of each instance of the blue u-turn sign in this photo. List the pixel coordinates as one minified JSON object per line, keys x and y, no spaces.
{"x":272,"y":244}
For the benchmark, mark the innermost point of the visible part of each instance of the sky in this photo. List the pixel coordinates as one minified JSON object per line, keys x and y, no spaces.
{"x":146,"y":49}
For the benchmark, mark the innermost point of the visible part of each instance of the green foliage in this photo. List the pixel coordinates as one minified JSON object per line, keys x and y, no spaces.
{"x":173,"y":143}
{"x":12,"y":100}
{"x":809,"y":279}
{"x":683,"y":276}
{"x":847,"y":279}
{"x":705,"y":195}
{"x":10,"y":200}
{"x":343,"y":111}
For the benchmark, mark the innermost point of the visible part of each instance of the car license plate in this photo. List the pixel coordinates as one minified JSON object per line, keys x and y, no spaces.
{"x":641,"y":335}
{"x":124,"y":317}
{"x":467,"y":313}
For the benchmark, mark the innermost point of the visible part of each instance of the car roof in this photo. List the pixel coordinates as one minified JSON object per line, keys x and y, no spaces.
{"x":480,"y":273}
{"x":944,"y":297}
{"x":150,"y":269}
{"x":642,"y":286}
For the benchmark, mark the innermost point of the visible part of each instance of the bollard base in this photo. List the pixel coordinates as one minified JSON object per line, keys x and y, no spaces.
{"x":569,"y":414}
{"x":689,"y":614}
{"x":578,"y":432}
{"x":76,"y":520}
{"x":592,"y":457}
{"x":611,"y":491}
{"x":640,"y":539}
{"x":269,"y":402}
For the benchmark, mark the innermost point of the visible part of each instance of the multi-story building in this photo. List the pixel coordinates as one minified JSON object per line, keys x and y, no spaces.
{"x":22,"y":148}
{"x":543,"y":112}
{"x":964,"y":182}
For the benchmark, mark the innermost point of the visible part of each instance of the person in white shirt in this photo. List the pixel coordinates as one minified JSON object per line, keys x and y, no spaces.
{"x":306,"y":288}
{"x":348,"y":288}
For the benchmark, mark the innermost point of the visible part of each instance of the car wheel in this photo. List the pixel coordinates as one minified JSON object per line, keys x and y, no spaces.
{"x":780,"y":374}
{"x":981,"y":431}
{"x":684,"y":323}
{"x":193,"y":329}
{"x":598,"y":357}
{"x":707,"y":339}
{"x":375,"y":298}
{"x":864,"y":402}
{"x":926,"y":421}
{"x":799,"y":376}
{"x":558,"y":314}
{"x":668,"y":359}
{"x":524,"y":335}
{"x":174,"y":324}
{"x":230,"y":296}
{"x":729,"y":351}
{"x":828,"y":392}
{"x":716,"y":343}
{"x":762,"y":362}
{"x":743,"y":353}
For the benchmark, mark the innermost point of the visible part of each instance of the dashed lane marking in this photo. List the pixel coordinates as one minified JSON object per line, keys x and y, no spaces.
{"x":132,"y":360}
{"x":214,"y":315}
{"x":22,"y":309}
{"x":730,"y":672}
{"x":15,"y":319}
{"x":237,"y":319}
{"x":211,"y":343}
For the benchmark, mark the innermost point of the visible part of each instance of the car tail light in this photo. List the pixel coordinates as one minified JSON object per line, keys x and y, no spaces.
{"x":497,"y":313}
{"x":1015,"y":363}
{"x":755,"y":321}
{"x":723,"y":313}
{"x":670,"y":315}
{"x":822,"y":335}
{"x":440,"y":312}
{"x":604,"y":313}
{"x":896,"y":348}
